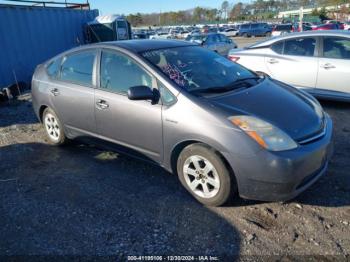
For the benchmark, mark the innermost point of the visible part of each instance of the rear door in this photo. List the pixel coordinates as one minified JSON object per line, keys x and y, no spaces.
{"x":334,"y":65}
{"x":135,"y":124}
{"x":294,"y":61}
{"x":72,"y":93}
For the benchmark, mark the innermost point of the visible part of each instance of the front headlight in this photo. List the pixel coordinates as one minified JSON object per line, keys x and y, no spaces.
{"x":265,"y":134}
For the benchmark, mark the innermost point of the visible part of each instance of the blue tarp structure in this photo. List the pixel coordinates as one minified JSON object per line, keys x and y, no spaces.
{"x":31,"y":35}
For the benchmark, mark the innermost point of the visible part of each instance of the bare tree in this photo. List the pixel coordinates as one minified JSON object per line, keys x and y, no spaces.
{"x":224,"y":8}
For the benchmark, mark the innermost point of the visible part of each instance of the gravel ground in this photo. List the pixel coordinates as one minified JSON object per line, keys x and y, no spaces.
{"x":80,"y":200}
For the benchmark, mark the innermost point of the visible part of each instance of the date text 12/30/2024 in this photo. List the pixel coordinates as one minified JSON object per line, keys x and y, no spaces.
{"x":173,"y":258}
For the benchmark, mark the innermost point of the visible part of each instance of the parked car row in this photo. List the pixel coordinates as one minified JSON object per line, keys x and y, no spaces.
{"x":213,"y":41}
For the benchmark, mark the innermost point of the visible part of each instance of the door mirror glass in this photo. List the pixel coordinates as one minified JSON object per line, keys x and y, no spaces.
{"x":141,"y":93}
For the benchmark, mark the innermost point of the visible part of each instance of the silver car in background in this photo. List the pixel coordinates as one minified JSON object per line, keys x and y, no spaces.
{"x":216,"y":42}
{"x":316,"y":61}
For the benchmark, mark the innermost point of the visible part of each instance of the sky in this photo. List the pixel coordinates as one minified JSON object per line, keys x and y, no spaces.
{"x":150,"y":6}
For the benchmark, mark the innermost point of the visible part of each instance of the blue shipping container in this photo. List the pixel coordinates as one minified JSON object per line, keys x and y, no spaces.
{"x":31,"y":35}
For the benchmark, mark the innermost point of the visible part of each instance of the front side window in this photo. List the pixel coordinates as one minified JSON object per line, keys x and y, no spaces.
{"x":300,"y":47}
{"x":77,"y":68}
{"x":193,"y":68}
{"x":336,"y":47}
{"x":119,"y":73}
{"x":53,"y":68}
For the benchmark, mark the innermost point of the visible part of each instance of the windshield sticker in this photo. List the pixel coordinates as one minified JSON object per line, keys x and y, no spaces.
{"x":175,"y":74}
{"x":224,"y":61}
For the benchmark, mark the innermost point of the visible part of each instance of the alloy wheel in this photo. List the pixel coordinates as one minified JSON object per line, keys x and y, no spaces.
{"x":201,"y":176}
{"x":52,"y":127}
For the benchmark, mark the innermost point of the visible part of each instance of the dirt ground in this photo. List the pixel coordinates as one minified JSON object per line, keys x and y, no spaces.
{"x":81,"y":200}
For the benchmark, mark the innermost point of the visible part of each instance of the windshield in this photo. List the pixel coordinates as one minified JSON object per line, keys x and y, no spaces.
{"x":195,"y":68}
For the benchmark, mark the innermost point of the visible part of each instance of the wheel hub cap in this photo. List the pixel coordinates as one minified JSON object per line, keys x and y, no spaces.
{"x":52,"y":127}
{"x":201,"y":176}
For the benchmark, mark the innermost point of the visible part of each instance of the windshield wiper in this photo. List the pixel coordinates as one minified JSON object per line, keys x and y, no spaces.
{"x":237,"y":84}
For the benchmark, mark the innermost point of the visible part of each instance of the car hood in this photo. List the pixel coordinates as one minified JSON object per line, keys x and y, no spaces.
{"x":283,"y":106}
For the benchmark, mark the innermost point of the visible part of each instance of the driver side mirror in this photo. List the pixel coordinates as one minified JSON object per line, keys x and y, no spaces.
{"x":142,"y":93}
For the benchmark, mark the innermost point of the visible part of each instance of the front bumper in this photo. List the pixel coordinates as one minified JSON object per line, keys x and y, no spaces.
{"x":280,"y":176}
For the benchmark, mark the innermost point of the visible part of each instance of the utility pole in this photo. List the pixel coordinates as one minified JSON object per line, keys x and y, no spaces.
{"x":301,"y":16}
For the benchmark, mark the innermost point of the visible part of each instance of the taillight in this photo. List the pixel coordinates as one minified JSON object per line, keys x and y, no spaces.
{"x":233,"y":58}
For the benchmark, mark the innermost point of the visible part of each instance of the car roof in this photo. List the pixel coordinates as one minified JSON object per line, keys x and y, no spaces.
{"x":302,"y":34}
{"x":139,"y":46}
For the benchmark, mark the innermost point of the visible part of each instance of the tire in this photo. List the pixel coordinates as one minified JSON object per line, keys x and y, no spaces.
{"x":211,"y":183}
{"x":245,"y":35}
{"x":53,"y":128}
{"x":268,"y":34}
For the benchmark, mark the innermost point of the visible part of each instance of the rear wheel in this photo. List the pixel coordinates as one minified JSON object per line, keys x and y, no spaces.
{"x":203,"y":173}
{"x":53,"y":127}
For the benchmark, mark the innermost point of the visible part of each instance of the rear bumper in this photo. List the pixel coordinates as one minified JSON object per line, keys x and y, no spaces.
{"x":280,"y":176}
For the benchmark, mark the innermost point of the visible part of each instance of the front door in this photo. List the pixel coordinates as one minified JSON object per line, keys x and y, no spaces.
{"x":334,"y":65}
{"x":135,"y":124}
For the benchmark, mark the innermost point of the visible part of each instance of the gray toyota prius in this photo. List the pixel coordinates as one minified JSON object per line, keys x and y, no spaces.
{"x":220,"y":127}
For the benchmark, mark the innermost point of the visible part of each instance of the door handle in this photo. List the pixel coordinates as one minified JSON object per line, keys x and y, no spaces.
{"x":327,"y":66}
{"x":55,"y":91}
{"x":102,"y":104}
{"x":272,"y":61}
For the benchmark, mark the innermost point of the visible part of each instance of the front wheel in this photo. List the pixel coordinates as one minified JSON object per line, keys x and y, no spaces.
{"x":203,"y":173}
{"x":53,"y":127}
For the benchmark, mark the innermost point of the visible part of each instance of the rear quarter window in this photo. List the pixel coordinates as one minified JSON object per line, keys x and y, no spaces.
{"x":53,"y":68}
{"x":278,"y":47}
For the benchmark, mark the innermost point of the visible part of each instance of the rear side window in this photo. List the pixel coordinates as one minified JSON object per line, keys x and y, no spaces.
{"x":53,"y":68}
{"x":336,"y":47}
{"x":245,"y":26}
{"x":119,"y":73}
{"x":300,"y":47}
{"x":278,"y":47}
{"x":283,"y":28}
{"x":78,"y":68}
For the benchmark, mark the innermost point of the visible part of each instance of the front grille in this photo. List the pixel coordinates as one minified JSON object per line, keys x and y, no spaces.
{"x":315,"y":136}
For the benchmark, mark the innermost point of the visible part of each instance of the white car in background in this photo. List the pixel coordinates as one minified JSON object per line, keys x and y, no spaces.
{"x":230,"y":32}
{"x":183,"y":34}
{"x":161,"y":35}
{"x":282,"y":29}
{"x":316,"y":61}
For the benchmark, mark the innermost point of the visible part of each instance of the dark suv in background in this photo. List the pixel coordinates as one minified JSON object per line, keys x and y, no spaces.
{"x":254,"y":29}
